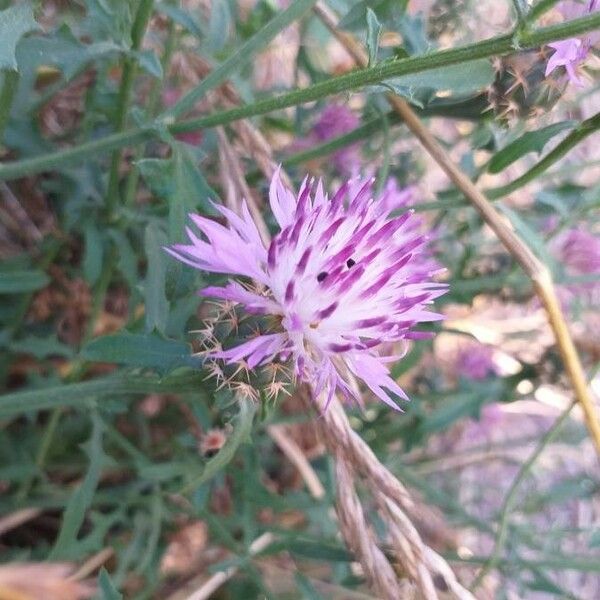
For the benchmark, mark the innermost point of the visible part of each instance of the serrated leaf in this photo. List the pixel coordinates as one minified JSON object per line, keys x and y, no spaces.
{"x":414,"y":34}
{"x":455,"y":80}
{"x":138,"y":350}
{"x":107,"y":588}
{"x":15,"y":22}
{"x":81,"y":499}
{"x":532,"y":141}
{"x":157,"y":305}
{"x":109,"y":19}
{"x":240,"y":434}
{"x":18,"y":282}
{"x":385,"y":10}
{"x":373,"y":34}
{"x":182,"y":17}
{"x":148,"y":61}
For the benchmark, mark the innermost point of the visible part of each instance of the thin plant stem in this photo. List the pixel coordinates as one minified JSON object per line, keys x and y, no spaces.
{"x":510,"y":498}
{"x":496,"y":46}
{"x":537,"y":271}
{"x":154,"y":97}
{"x":10,"y":80}
{"x":130,"y":63}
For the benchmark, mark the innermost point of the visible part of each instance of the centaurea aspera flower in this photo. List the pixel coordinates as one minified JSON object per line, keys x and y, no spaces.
{"x":572,"y":52}
{"x":341,"y":278}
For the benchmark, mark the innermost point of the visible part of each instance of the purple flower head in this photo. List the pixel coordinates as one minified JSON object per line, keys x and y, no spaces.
{"x":340,"y":277}
{"x":578,"y":250}
{"x":336,"y":120}
{"x":572,"y":52}
{"x":475,"y":361}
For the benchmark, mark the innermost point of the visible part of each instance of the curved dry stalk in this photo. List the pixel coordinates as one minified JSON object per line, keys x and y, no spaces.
{"x":425,"y":569}
{"x":358,"y":535}
{"x":533,"y":267}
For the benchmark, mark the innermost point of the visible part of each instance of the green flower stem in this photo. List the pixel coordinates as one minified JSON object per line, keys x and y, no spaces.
{"x":142,"y":17}
{"x":500,"y":45}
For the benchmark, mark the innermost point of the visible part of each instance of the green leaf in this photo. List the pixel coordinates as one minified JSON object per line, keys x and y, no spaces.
{"x":83,"y":396}
{"x":218,"y":27}
{"x":182,"y":17}
{"x":451,"y":80}
{"x":373,"y":34}
{"x":308,"y":590}
{"x":157,"y":305}
{"x":179,"y":181}
{"x":18,"y":282}
{"x":148,"y":61}
{"x":65,"y":547}
{"x":532,"y":141}
{"x":109,"y":19}
{"x":15,"y":22}
{"x":534,"y":239}
{"x":41,"y":347}
{"x":150,"y":351}
{"x":594,"y":541}
{"x":127,"y":262}
{"x":384,"y":10}
{"x":108,"y":591}
{"x":240,"y":434}
{"x":93,"y":255}
{"x":317,"y":549}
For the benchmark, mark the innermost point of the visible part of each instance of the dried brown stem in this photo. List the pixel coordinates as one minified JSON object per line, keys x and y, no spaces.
{"x":534,"y":268}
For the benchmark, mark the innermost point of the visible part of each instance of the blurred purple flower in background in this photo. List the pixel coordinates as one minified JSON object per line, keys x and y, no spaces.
{"x":475,"y":361}
{"x":572,"y":52}
{"x":336,"y":120}
{"x":578,"y":250}
{"x":341,"y":277}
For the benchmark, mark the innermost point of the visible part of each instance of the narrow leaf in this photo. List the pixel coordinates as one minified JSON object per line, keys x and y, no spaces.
{"x":107,"y":590}
{"x":81,"y":499}
{"x":373,"y":35}
{"x":137,"y":350}
{"x":94,"y":251}
{"x":17,"y":282}
{"x":157,"y":305}
{"x":532,"y":141}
